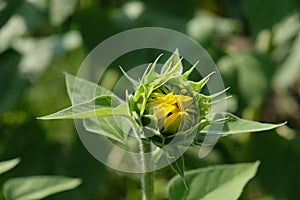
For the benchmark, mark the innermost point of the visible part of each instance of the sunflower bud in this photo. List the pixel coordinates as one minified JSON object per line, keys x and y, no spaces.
{"x":167,"y":104}
{"x":169,"y":110}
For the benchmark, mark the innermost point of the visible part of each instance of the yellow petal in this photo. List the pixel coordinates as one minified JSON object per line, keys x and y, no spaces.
{"x":172,"y":120}
{"x":162,"y":110}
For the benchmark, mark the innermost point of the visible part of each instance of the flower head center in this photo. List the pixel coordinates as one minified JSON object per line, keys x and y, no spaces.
{"x":169,"y":107}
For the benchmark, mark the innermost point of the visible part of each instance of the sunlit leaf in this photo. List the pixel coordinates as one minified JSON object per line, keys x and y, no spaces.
{"x":8,"y":32}
{"x":83,"y":90}
{"x":101,"y":106}
{"x":289,"y":70}
{"x":224,"y":182}
{"x":205,"y":26}
{"x":106,"y":115}
{"x":229,"y":125}
{"x":233,"y":125}
{"x":286,"y":29}
{"x":7,"y":165}
{"x":37,"y":187}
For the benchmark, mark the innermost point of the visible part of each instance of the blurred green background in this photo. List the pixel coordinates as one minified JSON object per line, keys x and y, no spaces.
{"x":255,"y":44}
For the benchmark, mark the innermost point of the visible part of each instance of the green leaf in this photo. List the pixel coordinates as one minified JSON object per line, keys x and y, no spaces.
{"x":106,"y":115}
{"x":286,"y":29}
{"x":224,"y":182}
{"x":100,"y":106}
{"x":8,"y":34}
{"x":289,"y":69}
{"x":205,"y":26}
{"x":114,"y":127}
{"x":228,"y":124}
{"x":252,"y":76}
{"x":37,"y":187}
{"x":234,"y":125}
{"x":84,"y":90}
{"x":7,"y":165}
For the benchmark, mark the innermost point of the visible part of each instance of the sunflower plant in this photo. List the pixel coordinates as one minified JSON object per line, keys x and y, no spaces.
{"x":167,"y":109}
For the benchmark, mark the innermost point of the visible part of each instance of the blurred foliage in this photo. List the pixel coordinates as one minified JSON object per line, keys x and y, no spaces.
{"x":256,"y":45}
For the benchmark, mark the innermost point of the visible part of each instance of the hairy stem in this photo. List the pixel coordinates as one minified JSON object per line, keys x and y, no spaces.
{"x":148,"y":175}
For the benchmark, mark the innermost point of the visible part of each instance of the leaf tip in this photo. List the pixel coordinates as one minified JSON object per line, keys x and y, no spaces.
{"x":65,"y":73}
{"x":17,"y":160}
{"x":77,"y":182}
{"x":283,"y":123}
{"x":257,"y":163}
{"x":43,"y":117}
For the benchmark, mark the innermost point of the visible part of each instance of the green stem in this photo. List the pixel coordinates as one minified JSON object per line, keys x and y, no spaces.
{"x":148,"y":175}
